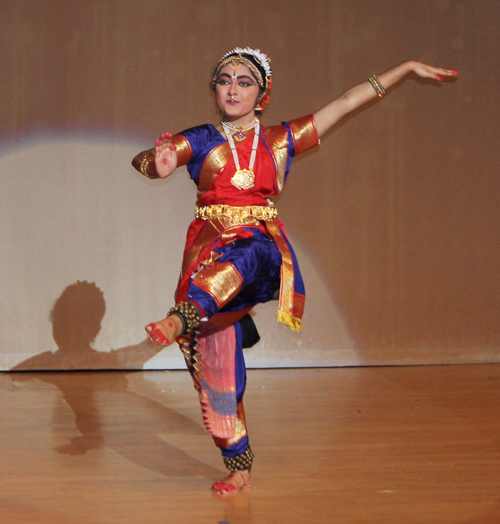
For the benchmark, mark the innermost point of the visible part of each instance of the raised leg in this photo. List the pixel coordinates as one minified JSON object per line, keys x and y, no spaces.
{"x":184,"y":317}
{"x":164,"y":332}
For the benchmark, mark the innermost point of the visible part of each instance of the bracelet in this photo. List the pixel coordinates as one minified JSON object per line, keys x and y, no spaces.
{"x":144,"y":165}
{"x":376,"y":84}
{"x":189,"y":315}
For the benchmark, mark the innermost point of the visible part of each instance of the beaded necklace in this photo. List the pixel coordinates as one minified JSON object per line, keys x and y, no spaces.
{"x":240,"y":131}
{"x":243,"y":178}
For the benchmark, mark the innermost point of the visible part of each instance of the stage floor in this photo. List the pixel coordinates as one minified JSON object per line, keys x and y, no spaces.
{"x":388,"y":445}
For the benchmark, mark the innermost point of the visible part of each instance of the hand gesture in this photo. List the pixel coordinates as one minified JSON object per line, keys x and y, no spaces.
{"x":165,"y":156}
{"x":436,"y":73}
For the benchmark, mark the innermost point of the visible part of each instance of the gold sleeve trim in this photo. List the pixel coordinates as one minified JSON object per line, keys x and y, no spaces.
{"x":183,"y":149}
{"x":222,"y":281}
{"x":304,"y":133}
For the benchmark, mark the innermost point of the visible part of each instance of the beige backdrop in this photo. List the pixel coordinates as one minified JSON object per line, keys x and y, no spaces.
{"x":395,"y":217}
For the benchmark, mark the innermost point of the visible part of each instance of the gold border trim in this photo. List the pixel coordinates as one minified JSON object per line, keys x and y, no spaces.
{"x":183,"y":149}
{"x":304,"y":133}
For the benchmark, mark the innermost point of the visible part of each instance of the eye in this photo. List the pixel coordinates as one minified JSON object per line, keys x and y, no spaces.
{"x":223,"y":82}
{"x":244,"y":83}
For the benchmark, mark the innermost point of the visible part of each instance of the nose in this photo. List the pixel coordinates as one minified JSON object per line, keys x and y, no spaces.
{"x":232,"y":88}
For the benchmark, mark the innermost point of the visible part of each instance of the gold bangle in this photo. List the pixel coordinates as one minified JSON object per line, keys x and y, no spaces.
{"x":377,"y":85}
{"x":144,"y":165}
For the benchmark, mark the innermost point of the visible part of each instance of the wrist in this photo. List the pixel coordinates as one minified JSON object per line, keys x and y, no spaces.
{"x":410,"y":66}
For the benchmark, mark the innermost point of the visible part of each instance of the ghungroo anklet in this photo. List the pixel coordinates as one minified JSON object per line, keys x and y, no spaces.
{"x":240,"y":462}
{"x":189,"y":315}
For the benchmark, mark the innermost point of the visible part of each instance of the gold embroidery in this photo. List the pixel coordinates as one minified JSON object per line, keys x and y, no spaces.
{"x":304,"y":134}
{"x":240,"y":430}
{"x":298,"y":305}
{"x":183,"y":150}
{"x":189,"y":349}
{"x":237,"y":215}
{"x":276,"y":137}
{"x":207,"y":235}
{"x":222,"y":281}
{"x":215,"y":161}
{"x":287,"y":313}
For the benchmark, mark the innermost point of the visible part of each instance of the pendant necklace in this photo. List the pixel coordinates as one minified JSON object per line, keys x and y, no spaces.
{"x":240,"y":131}
{"x":243,"y":178}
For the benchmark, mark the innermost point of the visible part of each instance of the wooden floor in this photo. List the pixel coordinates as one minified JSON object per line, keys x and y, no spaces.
{"x":402,"y":445}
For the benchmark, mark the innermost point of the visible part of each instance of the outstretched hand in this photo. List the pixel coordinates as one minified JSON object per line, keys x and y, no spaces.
{"x":165,"y":156}
{"x":436,"y":73}
{"x":359,"y":95}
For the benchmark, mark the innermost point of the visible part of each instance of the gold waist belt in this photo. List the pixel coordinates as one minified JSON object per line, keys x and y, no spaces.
{"x":236,"y":214}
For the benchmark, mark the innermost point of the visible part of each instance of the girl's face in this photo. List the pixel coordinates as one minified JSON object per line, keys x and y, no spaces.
{"x":236,"y":93}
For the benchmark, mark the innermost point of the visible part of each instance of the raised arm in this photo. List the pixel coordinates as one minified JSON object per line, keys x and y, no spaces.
{"x":158,"y":162}
{"x":359,"y":95}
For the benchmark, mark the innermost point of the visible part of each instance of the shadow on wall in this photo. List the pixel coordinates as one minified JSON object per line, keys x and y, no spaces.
{"x":76,"y":321}
{"x":104,"y":409}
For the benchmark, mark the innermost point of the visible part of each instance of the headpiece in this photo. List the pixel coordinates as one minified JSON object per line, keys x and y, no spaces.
{"x":257,"y":62}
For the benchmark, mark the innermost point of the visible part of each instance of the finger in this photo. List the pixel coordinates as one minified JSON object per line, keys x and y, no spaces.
{"x":162,"y":146}
{"x":445,"y":72}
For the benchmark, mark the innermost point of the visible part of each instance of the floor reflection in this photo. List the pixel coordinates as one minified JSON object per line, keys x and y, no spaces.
{"x":237,"y":507}
{"x":106,"y":413}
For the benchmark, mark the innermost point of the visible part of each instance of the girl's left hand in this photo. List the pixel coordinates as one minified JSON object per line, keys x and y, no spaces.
{"x":436,"y":73}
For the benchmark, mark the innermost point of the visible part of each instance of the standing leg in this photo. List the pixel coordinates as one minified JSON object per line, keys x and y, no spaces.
{"x":236,"y":451}
{"x":241,"y":275}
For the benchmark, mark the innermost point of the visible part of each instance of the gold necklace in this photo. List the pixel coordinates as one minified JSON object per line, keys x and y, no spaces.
{"x":240,"y":131}
{"x":243,"y":178}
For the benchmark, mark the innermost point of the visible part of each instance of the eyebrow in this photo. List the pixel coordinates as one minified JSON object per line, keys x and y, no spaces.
{"x":238,"y":77}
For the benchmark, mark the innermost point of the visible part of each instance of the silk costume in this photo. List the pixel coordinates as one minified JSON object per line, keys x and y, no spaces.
{"x":236,"y":256}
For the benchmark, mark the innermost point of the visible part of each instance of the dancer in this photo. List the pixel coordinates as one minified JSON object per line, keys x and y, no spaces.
{"x":237,"y":252}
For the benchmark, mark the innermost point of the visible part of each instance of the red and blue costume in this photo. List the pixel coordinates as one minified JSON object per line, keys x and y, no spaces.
{"x":237,"y":255}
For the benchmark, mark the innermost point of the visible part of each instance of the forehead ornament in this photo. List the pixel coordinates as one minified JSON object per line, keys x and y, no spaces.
{"x":235,"y":59}
{"x":234,"y":67}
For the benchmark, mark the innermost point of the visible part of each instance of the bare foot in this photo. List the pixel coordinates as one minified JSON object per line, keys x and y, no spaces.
{"x":235,"y":481}
{"x":165,"y":331}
